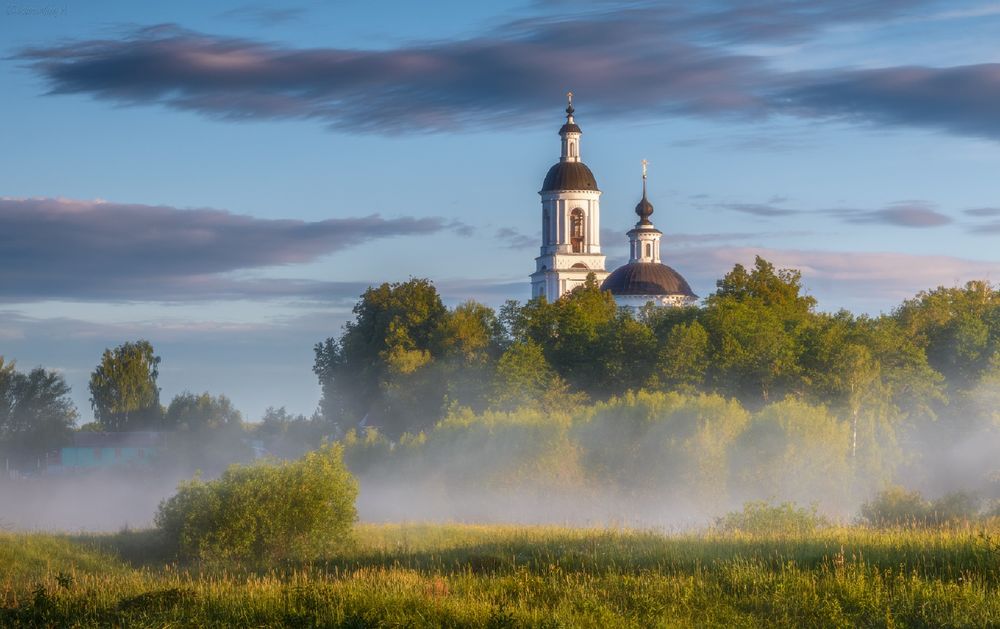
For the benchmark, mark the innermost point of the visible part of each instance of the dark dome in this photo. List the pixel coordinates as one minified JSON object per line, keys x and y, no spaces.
{"x":570,"y":127}
{"x":569,"y":176}
{"x":646,"y":278}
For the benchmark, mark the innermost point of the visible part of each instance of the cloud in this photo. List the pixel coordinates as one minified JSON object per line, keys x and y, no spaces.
{"x":697,"y":239}
{"x":960,"y":99}
{"x":670,"y":59}
{"x":993,"y":227}
{"x":758,"y":209}
{"x":900,"y":214}
{"x":93,"y":250}
{"x":487,"y":81}
{"x":983,"y":211}
{"x":514,"y":239}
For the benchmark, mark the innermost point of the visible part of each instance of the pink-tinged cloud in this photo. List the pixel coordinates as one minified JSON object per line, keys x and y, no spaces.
{"x":643,"y":60}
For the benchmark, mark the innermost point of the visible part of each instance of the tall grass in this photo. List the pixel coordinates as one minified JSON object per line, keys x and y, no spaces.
{"x":475,"y":576}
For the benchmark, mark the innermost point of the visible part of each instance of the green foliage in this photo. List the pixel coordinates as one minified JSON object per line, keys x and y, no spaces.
{"x":895,"y":506}
{"x":520,"y":451}
{"x":36,"y":413}
{"x":761,"y":518}
{"x":123,"y":391}
{"x":188,"y":411}
{"x":683,"y":361}
{"x":267,"y":511}
{"x":382,"y":365}
{"x":795,"y":451}
{"x":205,"y":432}
{"x":524,"y":379}
{"x":960,"y":328}
{"x":289,"y":436}
{"x":673,"y":444}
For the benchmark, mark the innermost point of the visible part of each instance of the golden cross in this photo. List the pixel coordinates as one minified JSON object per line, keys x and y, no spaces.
{"x":644,"y":164}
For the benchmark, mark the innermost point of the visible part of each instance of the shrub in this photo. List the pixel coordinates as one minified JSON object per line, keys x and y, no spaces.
{"x":896,"y":506}
{"x":761,"y":518}
{"x":265,"y":511}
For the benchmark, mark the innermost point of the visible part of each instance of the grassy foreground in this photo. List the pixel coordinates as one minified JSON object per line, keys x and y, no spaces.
{"x":498,"y":576}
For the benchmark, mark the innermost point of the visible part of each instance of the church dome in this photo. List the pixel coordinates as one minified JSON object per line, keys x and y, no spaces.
{"x":569,"y":176}
{"x":647,"y":278}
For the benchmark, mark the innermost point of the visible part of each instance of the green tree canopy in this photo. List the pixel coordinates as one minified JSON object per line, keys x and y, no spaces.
{"x":36,"y":413}
{"x":380,"y":366}
{"x":191,"y":412}
{"x":123,"y":391}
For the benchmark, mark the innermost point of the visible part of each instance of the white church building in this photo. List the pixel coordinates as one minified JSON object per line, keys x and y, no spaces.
{"x":571,"y":237}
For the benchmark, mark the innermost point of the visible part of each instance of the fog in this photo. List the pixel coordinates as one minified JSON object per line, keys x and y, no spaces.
{"x":662,"y":461}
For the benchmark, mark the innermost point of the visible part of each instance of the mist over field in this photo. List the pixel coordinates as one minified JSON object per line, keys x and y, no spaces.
{"x":575,"y":412}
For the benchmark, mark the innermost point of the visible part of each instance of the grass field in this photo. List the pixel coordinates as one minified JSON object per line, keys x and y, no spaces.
{"x":497,"y":576}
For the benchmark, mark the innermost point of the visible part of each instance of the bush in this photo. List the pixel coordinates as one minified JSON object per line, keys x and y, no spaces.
{"x":265,"y":511}
{"x":761,"y":518}
{"x":896,"y":506}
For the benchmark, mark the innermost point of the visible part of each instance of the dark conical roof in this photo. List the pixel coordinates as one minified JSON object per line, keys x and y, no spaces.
{"x":646,"y":278}
{"x":569,"y":176}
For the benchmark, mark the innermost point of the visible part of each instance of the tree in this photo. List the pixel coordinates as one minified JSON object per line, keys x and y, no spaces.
{"x":755,"y":322}
{"x":206,"y":433}
{"x":380,"y":366}
{"x":191,"y":412}
{"x":36,"y":413}
{"x":123,"y":391}
{"x":958,"y":327}
{"x":525,"y":379}
{"x":683,"y":360}
{"x":471,"y":340}
{"x":794,"y":451}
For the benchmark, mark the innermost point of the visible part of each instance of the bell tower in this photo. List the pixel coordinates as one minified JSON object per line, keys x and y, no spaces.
{"x":571,"y":220}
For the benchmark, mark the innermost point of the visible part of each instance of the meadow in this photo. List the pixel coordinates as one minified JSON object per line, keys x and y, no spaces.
{"x":454,"y":575}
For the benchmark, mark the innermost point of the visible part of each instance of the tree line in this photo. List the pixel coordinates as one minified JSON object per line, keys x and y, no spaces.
{"x":897,"y":383}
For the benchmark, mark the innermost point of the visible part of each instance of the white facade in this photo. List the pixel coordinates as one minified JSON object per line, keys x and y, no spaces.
{"x":571,"y":231}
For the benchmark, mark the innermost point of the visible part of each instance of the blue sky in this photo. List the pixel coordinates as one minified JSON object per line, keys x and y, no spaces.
{"x":225,"y":179}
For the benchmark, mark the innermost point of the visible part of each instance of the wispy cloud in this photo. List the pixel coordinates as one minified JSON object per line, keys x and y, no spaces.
{"x":92,"y":250}
{"x":900,"y":214}
{"x":513,"y":239}
{"x":758,"y":209}
{"x":982,"y":211}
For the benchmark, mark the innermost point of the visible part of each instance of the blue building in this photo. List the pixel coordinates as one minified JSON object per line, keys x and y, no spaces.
{"x":100,"y":450}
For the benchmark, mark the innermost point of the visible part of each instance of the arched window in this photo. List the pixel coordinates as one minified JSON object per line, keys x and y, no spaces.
{"x":576,"y":230}
{"x":572,"y":149}
{"x":649,"y":250}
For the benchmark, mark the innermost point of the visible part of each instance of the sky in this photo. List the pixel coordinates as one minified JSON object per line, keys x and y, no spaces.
{"x":225,"y":179}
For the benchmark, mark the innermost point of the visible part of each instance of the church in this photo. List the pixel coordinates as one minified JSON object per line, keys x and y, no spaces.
{"x":571,"y":237}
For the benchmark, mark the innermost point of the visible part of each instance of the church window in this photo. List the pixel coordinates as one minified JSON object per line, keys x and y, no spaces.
{"x":649,"y":250}
{"x":576,"y":230}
